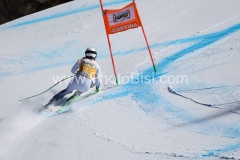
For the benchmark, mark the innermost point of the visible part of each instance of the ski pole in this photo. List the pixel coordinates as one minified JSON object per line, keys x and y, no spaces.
{"x":47,"y":89}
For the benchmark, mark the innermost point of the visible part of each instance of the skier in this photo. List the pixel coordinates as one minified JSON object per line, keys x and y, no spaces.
{"x":88,"y":74}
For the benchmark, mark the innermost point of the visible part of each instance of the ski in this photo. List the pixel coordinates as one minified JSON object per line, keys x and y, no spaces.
{"x":61,"y":109}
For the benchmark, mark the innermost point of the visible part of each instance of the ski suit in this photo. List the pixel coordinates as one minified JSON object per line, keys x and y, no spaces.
{"x":87,"y":73}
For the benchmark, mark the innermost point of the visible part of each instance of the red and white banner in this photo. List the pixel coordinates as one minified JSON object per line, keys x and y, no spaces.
{"x":121,"y":19}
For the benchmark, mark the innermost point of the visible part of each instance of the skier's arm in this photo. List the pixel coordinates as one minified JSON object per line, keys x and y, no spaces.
{"x":75,"y":68}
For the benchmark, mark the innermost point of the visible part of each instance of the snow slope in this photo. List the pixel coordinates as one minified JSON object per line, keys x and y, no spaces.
{"x":149,"y":116}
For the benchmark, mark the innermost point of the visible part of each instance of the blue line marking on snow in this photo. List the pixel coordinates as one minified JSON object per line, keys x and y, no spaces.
{"x":39,"y":68}
{"x":232,"y":131}
{"x":57,"y":52}
{"x":152,"y":102}
{"x":58,"y":15}
{"x":218,"y":152}
{"x":200,"y":42}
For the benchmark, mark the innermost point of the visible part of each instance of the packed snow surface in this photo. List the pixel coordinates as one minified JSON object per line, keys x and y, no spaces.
{"x":189,"y":109}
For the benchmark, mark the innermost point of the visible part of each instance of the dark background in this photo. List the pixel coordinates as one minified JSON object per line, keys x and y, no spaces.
{"x":13,"y":9}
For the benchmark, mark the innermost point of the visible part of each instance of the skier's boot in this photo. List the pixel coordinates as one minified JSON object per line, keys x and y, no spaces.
{"x":49,"y":103}
{"x":76,"y":94}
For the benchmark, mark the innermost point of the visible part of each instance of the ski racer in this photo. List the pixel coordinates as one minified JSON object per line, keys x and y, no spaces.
{"x":88,"y":74}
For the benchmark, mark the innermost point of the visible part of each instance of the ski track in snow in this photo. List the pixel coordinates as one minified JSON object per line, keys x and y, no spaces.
{"x":218,"y":152}
{"x":200,"y":42}
{"x":156,"y":100}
